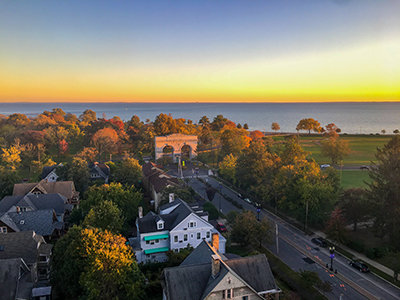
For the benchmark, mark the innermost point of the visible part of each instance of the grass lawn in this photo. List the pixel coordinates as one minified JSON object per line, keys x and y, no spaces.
{"x":354,"y":178}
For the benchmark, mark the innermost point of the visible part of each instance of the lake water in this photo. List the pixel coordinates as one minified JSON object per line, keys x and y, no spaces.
{"x":365,"y":118}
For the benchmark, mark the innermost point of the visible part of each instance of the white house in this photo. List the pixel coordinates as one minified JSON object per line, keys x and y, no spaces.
{"x":177,"y":226}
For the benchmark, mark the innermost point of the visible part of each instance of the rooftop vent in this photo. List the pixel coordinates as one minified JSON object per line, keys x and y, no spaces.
{"x":22,"y":222}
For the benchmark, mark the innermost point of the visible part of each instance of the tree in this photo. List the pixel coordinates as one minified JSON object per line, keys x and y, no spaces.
{"x":18,"y":120}
{"x":127,"y":199}
{"x":78,"y":172}
{"x":227,"y":168}
{"x":331,"y":130}
{"x":105,"y":216}
{"x":88,"y":153}
{"x":92,"y":264}
{"x":336,"y":229}
{"x":8,"y":178}
{"x":309,"y":124}
{"x":245,"y":126}
{"x":88,"y":116}
{"x":246,"y":230}
{"x":383,"y":131}
{"x":186,"y":194}
{"x":354,"y":205}
{"x":213,"y":213}
{"x":105,"y":140}
{"x":384,"y":191}
{"x":256,"y":134}
{"x":336,"y":149}
{"x":129,"y":172}
{"x":275,"y":127}
{"x":164,"y":125}
{"x":10,"y":157}
{"x":293,"y":152}
{"x":234,"y":141}
{"x":396,"y":131}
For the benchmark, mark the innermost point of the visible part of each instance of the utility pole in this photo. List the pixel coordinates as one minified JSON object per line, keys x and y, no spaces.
{"x":180,"y":172}
{"x":277,"y":239}
{"x":305,"y":228}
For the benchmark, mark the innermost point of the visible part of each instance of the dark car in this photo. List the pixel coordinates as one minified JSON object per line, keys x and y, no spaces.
{"x":359,"y":266}
{"x":320,"y":242}
{"x":221,"y":227}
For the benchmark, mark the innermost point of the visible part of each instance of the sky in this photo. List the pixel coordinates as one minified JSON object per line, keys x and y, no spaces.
{"x":199,"y":51}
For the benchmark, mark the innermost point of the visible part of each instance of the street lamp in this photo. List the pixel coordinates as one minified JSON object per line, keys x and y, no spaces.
{"x":220,"y":192}
{"x":258,"y":211}
{"x":332,"y":251}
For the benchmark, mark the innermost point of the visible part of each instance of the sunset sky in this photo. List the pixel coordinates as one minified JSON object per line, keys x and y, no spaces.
{"x":205,"y":51}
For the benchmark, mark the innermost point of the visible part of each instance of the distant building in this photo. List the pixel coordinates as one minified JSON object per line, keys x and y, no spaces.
{"x":208,"y":274}
{"x":99,"y":171}
{"x":49,"y":173}
{"x":177,"y":226}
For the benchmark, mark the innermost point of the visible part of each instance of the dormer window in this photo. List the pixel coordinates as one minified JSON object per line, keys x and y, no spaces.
{"x":160,"y":225}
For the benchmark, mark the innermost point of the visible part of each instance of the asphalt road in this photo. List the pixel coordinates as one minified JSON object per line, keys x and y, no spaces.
{"x":304,"y":254}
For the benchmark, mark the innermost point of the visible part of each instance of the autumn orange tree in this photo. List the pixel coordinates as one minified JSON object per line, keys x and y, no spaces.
{"x":93,"y":264}
{"x":105,"y":140}
{"x":309,"y":124}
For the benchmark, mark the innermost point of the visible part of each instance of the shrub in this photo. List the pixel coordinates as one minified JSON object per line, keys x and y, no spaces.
{"x":356,"y":245}
{"x":213,"y":213}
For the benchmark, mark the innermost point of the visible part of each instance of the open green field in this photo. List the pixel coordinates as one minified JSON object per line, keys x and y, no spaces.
{"x":354,"y":178}
{"x":363,"y":147}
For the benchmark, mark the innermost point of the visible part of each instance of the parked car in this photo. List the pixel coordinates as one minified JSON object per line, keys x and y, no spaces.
{"x":240,"y":196}
{"x":359,"y":266}
{"x":247,"y":200}
{"x":364,"y":167}
{"x":221,"y":227}
{"x":319,"y":241}
{"x":325,"y":166}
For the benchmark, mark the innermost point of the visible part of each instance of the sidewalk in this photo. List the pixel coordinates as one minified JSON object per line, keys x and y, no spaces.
{"x":362,"y":257}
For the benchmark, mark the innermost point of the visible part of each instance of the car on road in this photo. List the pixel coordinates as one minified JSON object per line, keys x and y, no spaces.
{"x":319,"y":241}
{"x":364,"y":167}
{"x":240,"y":196}
{"x":359,"y":266}
{"x":325,"y":166}
{"x":247,"y":200}
{"x":221,"y":227}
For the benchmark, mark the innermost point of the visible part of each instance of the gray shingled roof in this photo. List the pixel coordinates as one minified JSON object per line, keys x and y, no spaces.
{"x":193,"y":280}
{"x":46,"y":171}
{"x":43,"y":222}
{"x":56,"y":202}
{"x":10,"y":277}
{"x":149,"y":222}
{"x":21,"y":245}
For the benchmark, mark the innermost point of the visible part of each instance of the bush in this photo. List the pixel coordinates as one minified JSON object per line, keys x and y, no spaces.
{"x":356,"y":245}
{"x":374,"y":253}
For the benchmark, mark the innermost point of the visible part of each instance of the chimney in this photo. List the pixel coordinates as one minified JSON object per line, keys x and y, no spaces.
{"x":140,"y":212}
{"x":215,"y":240}
{"x":215,"y":265}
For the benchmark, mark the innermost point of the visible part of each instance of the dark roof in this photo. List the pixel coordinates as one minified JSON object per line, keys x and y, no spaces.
{"x":193,"y":280}
{"x":202,"y":254}
{"x":186,"y":282}
{"x":158,"y":178}
{"x":100,"y":168}
{"x":65,"y":188}
{"x":43,"y":222}
{"x":150,"y":167}
{"x":56,"y":202}
{"x":22,"y":244}
{"x":10,"y":272}
{"x":47,"y":170}
{"x":149,"y":222}
{"x":249,"y":268}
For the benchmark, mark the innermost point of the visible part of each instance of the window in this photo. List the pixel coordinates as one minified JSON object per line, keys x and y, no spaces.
{"x":157,"y":241}
{"x":245,"y":298}
{"x":227,"y":294}
{"x":191,"y":235}
{"x":175,"y":238}
{"x":176,"y":250}
{"x":199,"y":235}
{"x":147,"y":242}
{"x":3,"y":229}
{"x":192,"y":224}
{"x":185,"y":237}
{"x":160,"y":225}
{"x":208,"y":234}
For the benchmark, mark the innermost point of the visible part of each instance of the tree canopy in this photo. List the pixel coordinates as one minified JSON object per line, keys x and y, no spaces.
{"x":309,"y":124}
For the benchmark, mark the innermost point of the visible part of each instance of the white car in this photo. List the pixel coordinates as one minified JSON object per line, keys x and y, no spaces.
{"x":247,"y":200}
{"x":325,"y":166}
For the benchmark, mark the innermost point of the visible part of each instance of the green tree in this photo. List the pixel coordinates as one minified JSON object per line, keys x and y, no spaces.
{"x":129,"y":172}
{"x":18,"y":120}
{"x":384,"y":191}
{"x":164,"y":125}
{"x":78,"y":172}
{"x":127,"y":199}
{"x":92,"y":264}
{"x":213,"y":213}
{"x":309,"y":124}
{"x":354,"y":204}
{"x":233,"y":141}
{"x":336,"y":229}
{"x":335,"y":148}
{"x":105,"y":216}
{"x":293,"y":153}
{"x":8,"y":177}
{"x":227,"y":168}
{"x":186,"y":194}
{"x":246,"y":230}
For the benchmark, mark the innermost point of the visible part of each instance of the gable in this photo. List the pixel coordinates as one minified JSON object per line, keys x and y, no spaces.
{"x":192,"y":217}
